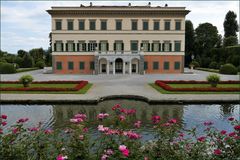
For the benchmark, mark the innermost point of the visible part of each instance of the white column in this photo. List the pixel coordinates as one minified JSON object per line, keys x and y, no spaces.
{"x":113,"y":67}
{"x":123,"y":67}
{"x":107,"y":67}
{"x":130,"y":67}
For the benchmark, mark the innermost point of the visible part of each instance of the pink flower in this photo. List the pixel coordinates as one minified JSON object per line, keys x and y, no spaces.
{"x":81,"y":137}
{"x":124,"y":150}
{"x":85,"y":129}
{"x":156,"y":119}
{"x":201,"y":139}
{"x":116,"y":107}
{"x":173,"y":121}
{"x":102,"y":129}
{"x":223,"y":132}
{"x":217,"y":152}
{"x":76,"y":120}
{"x":181,"y":135}
{"x":1,"y":131}
{"x":109,"y":152}
{"x":48,"y":131}
{"x":4,"y":123}
{"x":22,"y":120}
{"x":101,"y":116}
{"x":104,"y":157}
{"x":208,"y":123}
{"x":237,"y":127}
{"x":166,"y":124}
{"x":4,"y":116}
{"x":15,"y":130}
{"x":232,"y":134}
{"x":33,"y":129}
{"x":137,"y":124}
{"x":81,"y":116}
{"x":237,"y":137}
{"x":128,"y":111}
{"x":122,"y":117}
{"x":132,"y":135}
{"x":61,"y":157}
{"x":230,"y":118}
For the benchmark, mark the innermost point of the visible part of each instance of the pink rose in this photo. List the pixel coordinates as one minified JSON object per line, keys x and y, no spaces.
{"x":48,"y":131}
{"x":156,"y":119}
{"x":237,"y":127}
{"x":173,"y":121}
{"x":217,"y":152}
{"x":4,"y":123}
{"x":22,"y":120}
{"x":223,"y":132}
{"x":230,"y":118}
{"x":232,"y":134}
{"x":122,"y":117}
{"x":201,"y":139}
{"x":4,"y":116}
{"x":124,"y":150}
{"x":15,"y":130}
{"x":137,"y":124}
{"x":61,"y":157}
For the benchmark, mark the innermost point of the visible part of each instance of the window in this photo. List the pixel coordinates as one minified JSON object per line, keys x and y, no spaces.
{"x":134,"y":45}
{"x":92,"y":66}
{"x":166,"y":66}
{"x":118,"y":25}
{"x":81,"y":65}
{"x":177,"y":46}
{"x":118,"y":46}
{"x":177,"y":65}
{"x":92,"y":25}
{"x":58,"y":25}
{"x":155,"y":25}
{"x":167,"y":25}
{"x":70,"y":46}
{"x":81,"y":46}
{"x":145,"y":25}
{"x":155,"y":65}
{"x":134,"y":25}
{"x":167,"y":46}
{"x":145,"y":65}
{"x":59,"y":46}
{"x":103,"y":46}
{"x":155,"y":47}
{"x":178,"y":25}
{"x":59,"y":65}
{"x":145,"y":46}
{"x":92,"y":46}
{"x":103,"y":25}
{"x":70,"y":24}
{"x":81,"y":24}
{"x":70,"y":65}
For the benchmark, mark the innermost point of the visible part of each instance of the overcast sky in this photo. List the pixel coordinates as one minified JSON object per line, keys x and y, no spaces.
{"x":26,"y":25}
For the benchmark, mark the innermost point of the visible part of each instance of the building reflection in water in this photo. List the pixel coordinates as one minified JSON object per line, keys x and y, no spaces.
{"x":62,"y":113}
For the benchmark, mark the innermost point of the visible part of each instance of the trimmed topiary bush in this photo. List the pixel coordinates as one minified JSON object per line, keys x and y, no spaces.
{"x":26,"y":80}
{"x":228,"y":69}
{"x":195,"y":64}
{"x":213,"y":79}
{"x":40,"y":64}
{"x":213,"y":65}
{"x":6,"y":68}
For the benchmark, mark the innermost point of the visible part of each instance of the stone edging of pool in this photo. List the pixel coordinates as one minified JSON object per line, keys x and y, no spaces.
{"x":170,"y":100}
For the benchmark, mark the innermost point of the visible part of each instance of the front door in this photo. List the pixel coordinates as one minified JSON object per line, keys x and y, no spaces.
{"x":134,"y":68}
{"x":119,"y":65}
{"x":104,"y":68}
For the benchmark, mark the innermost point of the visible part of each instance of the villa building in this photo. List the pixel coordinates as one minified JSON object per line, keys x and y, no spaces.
{"x":118,"y":39}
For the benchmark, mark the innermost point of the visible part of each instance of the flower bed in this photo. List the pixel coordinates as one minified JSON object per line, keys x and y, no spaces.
{"x":164,"y":85}
{"x":118,"y":138}
{"x":79,"y":85}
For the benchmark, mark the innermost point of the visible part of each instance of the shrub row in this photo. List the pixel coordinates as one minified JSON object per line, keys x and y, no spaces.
{"x":165,"y":86}
{"x":197,"y":82}
{"x":79,"y":86}
{"x":6,"y":68}
{"x":41,"y":82}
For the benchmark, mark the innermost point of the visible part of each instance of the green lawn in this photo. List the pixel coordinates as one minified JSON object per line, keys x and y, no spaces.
{"x":203,"y":85}
{"x":40,"y":85}
{"x":159,"y":89}
{"x":81,"y":91}
{"x":26,"y":69}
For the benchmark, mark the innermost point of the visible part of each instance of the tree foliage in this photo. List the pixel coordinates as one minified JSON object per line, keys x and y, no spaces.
{"x":230,"y":24}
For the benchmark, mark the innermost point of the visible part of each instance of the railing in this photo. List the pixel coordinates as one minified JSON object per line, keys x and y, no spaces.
{"x":118,"y":52}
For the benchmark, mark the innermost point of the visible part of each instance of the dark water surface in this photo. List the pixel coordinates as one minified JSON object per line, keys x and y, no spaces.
{"x":57,"y":116}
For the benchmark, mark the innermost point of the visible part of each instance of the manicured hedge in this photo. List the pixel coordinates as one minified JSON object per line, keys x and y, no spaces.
{"x":7,"y":68}
{"x":80,"y":85}
{"x":228,"y":69}
{"x":165,"y":86}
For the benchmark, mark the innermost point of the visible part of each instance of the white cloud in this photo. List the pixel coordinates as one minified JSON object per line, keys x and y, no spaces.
{"x":25,"y":25}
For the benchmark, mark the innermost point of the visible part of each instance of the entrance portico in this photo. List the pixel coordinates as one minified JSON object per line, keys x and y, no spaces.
{"x":119,"y":64}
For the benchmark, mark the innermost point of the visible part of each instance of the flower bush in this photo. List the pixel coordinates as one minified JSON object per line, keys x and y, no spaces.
{"x":118,"y":139}
{"x":213,"y":79}
{"x":26,"y":80}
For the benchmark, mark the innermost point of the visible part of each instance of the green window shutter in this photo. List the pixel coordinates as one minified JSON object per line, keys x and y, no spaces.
{"x":145,"y":25}
{"x":74,"y":47}
{"x":59,"y":65}
{"x":170,"y":47}
{"x":58,"y":25}
{"x":92,"y":65}
{"x":155,"y":65}
{"x":167,"y":25}
{"x":156,"y":26}
{"x":62,"y":46}
{"x":70,"y":25}
{"x":81,"y":65}
{"x":78,"y":47}
{"x":70,"y":66}
{"x":152,"y":47}
{"x":55,"y":47}
{"x":123,"y":46}
{"x":148,"y":47}
{"x":163,"y":47}
{"x":145,"y":65}
{"x":166,"y":66}
{"x":114,"y":46}
{"x":84,"y":47}
{"x":159,"y":47}
{"x":66,"y":47}
{"x":177,"y":46}
{"x":118,"y":25}
{"x":88,"y":46}
{"x":81,"y":25}
{"x":107,"y":47}
{"x":177,"y":65}
{"x":99,"y":46}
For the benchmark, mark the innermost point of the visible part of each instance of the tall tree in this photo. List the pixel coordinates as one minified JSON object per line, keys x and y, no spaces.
{"x":21,"y":53}
{"x":230,"y":24}
{"x":189,"y":41}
